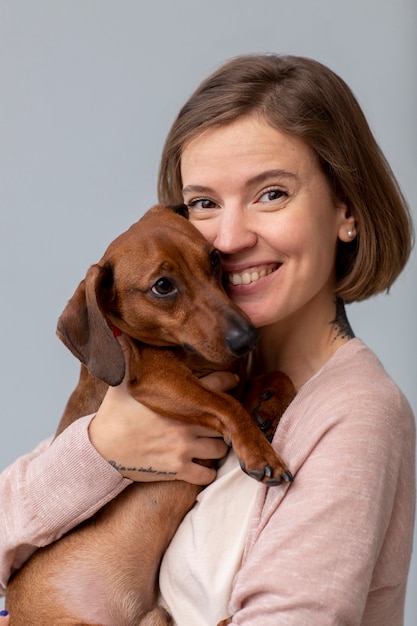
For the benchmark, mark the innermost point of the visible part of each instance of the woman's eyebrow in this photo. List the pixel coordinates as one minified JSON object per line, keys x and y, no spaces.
{"x":196,"y":189}
{"x":259,"y":178}
{"x":268,"y":174}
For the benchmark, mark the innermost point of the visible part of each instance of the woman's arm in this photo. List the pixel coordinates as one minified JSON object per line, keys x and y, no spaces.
{"x":62,"y":483}
{"x":49,"y":491}
{"x":337,"y":542}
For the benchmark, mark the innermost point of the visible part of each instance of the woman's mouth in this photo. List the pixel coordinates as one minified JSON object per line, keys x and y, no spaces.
{"x":250,"y":275}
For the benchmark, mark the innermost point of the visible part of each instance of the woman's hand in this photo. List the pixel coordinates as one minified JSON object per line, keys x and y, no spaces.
{"x":145,"y":446}
{"x":4,"y":618}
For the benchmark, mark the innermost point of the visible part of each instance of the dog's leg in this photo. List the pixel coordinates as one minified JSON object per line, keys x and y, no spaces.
{"x":175,"y":392}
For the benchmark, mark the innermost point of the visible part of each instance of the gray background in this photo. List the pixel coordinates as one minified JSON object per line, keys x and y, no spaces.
{"x":88,"y":90}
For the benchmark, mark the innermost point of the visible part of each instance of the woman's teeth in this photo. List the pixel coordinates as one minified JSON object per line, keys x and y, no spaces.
{"x":245,"y":278}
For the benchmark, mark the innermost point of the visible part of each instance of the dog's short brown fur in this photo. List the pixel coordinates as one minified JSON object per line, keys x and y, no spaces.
{"x":160,"y":284}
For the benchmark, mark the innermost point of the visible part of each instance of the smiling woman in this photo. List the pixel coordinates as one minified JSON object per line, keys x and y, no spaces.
{"x":269,"y":209}
{"x":280,"y":171}
{"x":306,"y":100}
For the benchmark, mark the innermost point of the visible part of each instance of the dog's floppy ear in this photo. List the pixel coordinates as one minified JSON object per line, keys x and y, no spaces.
{"x":84,"y":330}
{"x":179,"y":209}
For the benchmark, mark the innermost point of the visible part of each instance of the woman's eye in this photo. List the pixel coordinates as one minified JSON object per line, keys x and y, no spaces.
{"x":272,"y":195}
{"x":201,"y":203}
{"x":163,"y":287}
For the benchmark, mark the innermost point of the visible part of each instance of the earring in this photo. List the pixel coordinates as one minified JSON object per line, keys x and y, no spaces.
{"x":350,"y":233}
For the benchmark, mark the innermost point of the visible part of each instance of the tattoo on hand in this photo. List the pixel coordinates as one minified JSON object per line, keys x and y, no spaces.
{"x":146,"y":470}
{"x":341,"y":322}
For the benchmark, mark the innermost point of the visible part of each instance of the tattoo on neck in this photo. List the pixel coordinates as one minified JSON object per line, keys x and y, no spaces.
{"x":341,"y":323}
{"x":146,"y":470}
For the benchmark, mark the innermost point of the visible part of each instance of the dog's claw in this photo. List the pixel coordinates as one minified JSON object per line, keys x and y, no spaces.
{"x":274,"y":482}
{"x":256,"y":474}
{"x":263,"y":424}
{"x":286,"y":476}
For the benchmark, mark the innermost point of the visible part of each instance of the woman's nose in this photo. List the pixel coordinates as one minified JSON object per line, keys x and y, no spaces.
{"x":234,"y":232}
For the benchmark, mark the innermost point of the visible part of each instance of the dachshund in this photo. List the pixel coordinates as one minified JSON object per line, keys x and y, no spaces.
{"x":160,"y":284}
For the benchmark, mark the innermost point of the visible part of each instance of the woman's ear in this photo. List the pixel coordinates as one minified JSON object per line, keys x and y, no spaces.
{"x":347,"y":228}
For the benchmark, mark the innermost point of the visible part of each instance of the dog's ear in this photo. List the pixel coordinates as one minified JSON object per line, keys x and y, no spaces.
{"x":84,"y":330}
{"x":179,"y":209}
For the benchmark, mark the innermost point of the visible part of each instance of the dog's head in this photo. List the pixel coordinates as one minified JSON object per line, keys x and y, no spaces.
{"x":160,"y":284}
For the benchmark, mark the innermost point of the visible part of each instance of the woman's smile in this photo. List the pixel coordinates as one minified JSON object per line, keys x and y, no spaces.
{"x":249,"y":275}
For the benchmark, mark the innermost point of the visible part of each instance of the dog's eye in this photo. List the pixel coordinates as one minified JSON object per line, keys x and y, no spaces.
{"x":163,"y":287}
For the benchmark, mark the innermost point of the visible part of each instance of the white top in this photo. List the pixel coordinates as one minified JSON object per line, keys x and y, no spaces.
{"x":214,"y":533}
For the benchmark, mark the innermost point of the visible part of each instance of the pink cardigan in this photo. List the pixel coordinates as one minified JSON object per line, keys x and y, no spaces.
{"x":331,"y":549}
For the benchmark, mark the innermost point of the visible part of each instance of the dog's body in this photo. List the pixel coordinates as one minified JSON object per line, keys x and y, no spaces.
{"x":159,"y":283}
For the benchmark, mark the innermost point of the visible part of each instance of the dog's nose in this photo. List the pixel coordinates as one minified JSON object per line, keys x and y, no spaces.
{"x":241,"y":338}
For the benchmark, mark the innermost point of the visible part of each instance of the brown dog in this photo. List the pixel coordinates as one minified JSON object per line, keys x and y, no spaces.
{"x":160,"y":284}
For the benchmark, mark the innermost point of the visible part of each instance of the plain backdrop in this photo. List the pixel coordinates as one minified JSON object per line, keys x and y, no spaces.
{"x":88,"y":90}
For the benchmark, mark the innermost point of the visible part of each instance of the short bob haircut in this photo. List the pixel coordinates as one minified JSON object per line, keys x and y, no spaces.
{"x":306,"y":99}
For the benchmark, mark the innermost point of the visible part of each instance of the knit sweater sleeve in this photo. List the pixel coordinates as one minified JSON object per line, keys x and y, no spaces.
{"x":335,"y":546}
{"x":49,"y":491}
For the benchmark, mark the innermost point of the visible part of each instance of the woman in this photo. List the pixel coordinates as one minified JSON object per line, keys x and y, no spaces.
{"x":281,"y":173}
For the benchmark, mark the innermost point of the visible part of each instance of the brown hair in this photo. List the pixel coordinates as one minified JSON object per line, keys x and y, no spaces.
{"x":306,"y":99}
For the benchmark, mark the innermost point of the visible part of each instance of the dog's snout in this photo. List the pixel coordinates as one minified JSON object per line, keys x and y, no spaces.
{"x":241,"y":338}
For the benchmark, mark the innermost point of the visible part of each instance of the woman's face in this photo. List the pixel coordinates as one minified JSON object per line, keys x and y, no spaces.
{"x":258,"y":195}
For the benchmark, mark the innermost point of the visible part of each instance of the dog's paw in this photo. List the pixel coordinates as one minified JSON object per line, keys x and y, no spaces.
{"x":267,"y":475}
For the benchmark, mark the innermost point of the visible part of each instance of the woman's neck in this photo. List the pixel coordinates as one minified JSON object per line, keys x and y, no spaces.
{"x":300,"y":346}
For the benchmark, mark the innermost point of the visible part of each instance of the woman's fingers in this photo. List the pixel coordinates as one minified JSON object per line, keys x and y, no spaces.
{"x":200,"y":475}
{"x":220,"y":381}
{"x":211,"y":446}
{"x":4,"y":618}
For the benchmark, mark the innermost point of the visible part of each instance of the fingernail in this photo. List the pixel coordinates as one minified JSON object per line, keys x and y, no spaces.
{"x":237,"y":377}
{"x":4,"y":613}
{"x":116,"y":331}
